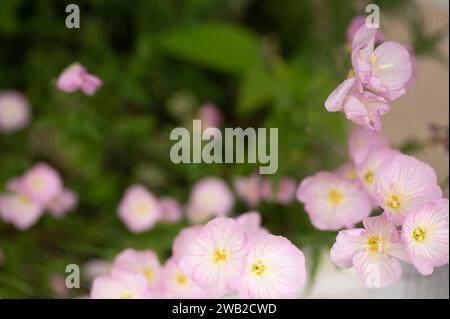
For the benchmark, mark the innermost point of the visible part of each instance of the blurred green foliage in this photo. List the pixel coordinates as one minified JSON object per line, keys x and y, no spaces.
{"x":265,"y":63}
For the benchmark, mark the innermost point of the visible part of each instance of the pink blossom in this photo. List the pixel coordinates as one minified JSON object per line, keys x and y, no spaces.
{"x":139,"y":209}
{"x":170,"y":209}
{"x":425,"y":233}
{"x":361,"y":141}
{"x":247,"y":188}
{"x":41,"y":183}
{"x":273,"y":268}
{"x":75,"y":77}
{"x":347,"y":171}
{"x":62,"y":203}
{"x":210,"y":115}
{"x":214,"y":258}
{"x":143,"y":262}
{"x":175,"y":284}
{"x":121,"y":285}
{"x":402,"y":184}
{"x":250,"y":224}
{"x":14,"y":111}
{"x":385,"y":70}
{"x":209,"y":197}
{"x":355,"y":24}
{"x":286,"y":190}
{"x":265,"y":189}
{"x":373,"y":251}
{"x":333,"y":202}
{"x":183,"y":239}
{"x":19,"y":210}
{"x":96,"y":268}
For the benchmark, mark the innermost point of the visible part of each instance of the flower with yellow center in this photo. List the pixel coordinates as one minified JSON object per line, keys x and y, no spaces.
{"x":258,"y":267}
{"x":369,"y":177}
{"x":419,"y":234}
{"x":219,"y":255}
{"x":335,"y":197}
{"x":393,"y":202}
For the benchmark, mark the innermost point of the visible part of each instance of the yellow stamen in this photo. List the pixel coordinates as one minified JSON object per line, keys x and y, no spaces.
{"x":258,"y":268}
{"x":375,"y":244}
{"x":220,"y":255}
{"x":419,"y":234}
{"x":393,"y":202}
{"x":126,"y":295}
{"x":148,"y":272}
{"x":369,"y":177}
{"x":181,"y":279}
{"x":335,"y":197}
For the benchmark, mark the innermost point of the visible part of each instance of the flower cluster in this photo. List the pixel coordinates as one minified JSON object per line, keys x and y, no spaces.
{"x":14,"y":111}
{"x":224,"y":256}
{"x":38,"y":190}
{"x":379,"y":75}
{"x":76,"y":77}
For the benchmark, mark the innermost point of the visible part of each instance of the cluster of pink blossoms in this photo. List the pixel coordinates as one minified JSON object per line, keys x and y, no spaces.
{"x":38,"y":190}
{"x":76,"y":77}
{"x":223,"y":257}
{"x":379,"y":75}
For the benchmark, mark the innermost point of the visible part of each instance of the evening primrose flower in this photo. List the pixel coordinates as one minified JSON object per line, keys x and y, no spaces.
{"x":75,"y":77}
{"x":333,"y":202}
{"x":250,"y":224}
{"x":286,"y":190}
{"x":214,"y":258}
{"x":14,"y":111}
{"x":374,"y":251}
{"x":121,"y":285}
{"x":170,"y":209}
{"x":247,"y":188}
{"x":425,"y":233}
{"x":354,"y":26}
{"x":18,"y":209}
{"x":273,"y":268}
{"x":361,"y":141}
{"x":173,"y":283}
{"x":139,"y":209}
{"x":144,"y":262}
{"x":402,"y":184}
{"x":183,"y":239}
{"x":210,"y":197}
{"x":62,"y":203}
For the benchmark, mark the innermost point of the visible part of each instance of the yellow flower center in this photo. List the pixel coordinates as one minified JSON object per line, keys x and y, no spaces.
{"x":219,"y":255}
{"x":148,"y":272}
{"x":419,"y":234}
{"x":335,"y":197}
{"x":393,"y":202}
{"x":126,"y":295}
{"x":375,"y":244}
{"x":258,"y":268}
{"x":37,"y":182}
{"x":181,"y":279}
{"x":141,"y":207}
{"x":369,"y":177}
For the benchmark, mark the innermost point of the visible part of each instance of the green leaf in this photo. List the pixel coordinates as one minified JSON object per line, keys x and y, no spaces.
{"x":225,"y":47}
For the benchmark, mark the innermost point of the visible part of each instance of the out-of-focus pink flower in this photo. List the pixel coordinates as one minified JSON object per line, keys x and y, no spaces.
{"x":62,"y":203}
{"x":373,"y":251}
{"x":18,"y":209}
{"x":139,"y":209}
{"x":58,"y":285}
{"x":175,"y":284}
{"x":250,"y":224}
{"x":170,"y":209}
{"x":333,"y":202}
{"x":355,"y":24}
{"x":214,"y":258}
{"x":142,"y":262}
{"x":403,"y":184}
{"x":385,"y":70}
{"x":183,"y":239}
{"x":425,"y":233}
{"x":286,"y":190}
{"x":210,"y":115}
{"x":121,"y":285}
{"x":41,"y":184}
{"x":265,"y":190}
{"x":14,"y":111}
{"x":96,"y":268}
{"x":347,"y":171}
{"x":367,"y":169}
{"x":273,"y":268}
{"x":76,"y":77}
{"x":361,"y":141}
{"x":209,"y":197}
{"x":247,"y":188}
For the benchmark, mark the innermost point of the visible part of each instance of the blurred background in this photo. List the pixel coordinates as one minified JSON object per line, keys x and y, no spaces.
{"x":264,"y":63}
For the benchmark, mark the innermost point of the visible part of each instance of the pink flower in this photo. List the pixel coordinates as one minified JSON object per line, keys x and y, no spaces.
{"x":333,"y":202}
{"x":404,"y":183}
{"x":170,"y":209}
{"x":214,"y":258}
{"x":273,"y":268}
{"x":139,"y":209}
{"x":367,"y":169}
{"x":347,"y":171}
{"x":286,"y":190}
{"x":96,"y":268}
{"x":250,"y":224}
{"x":14,"y":111}
{"x":62,"y":203}
{"x":373,"y":251}
{"x":75,"y":77}
{"x":121,"y":285}
{"x":143,"y":262}
{"x":265,"y":190}
{"x":175,"y":284}
{"x":361,"y":141}
{"x":209,"y":197}
{"x":247,"y":188}
{"x":355,"y":24}
{"x":210,"y":115}
{"x":183,"y":239}
{"x":385,"y":70}
{"x":425,"y":234}
{"x":41,"y":183}
{"x":19,"y":210}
